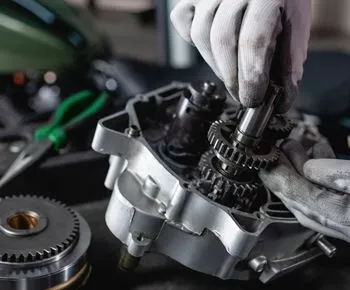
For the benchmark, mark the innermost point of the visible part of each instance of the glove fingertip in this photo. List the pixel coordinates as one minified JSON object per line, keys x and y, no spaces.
{"x":252,"y":94}
{"x":181,"y":18}
{"x":323,"y":150}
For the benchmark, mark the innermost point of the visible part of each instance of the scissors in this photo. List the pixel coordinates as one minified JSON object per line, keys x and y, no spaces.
{"x":71,"y":115}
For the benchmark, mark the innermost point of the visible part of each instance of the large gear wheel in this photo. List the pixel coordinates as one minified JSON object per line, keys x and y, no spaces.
{"x":239,"y":193}
{"x":35,"y":229}
{"x":220,"y":139}
{"x":279,"y":127}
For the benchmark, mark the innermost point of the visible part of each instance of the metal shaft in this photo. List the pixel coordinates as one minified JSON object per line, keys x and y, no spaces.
{"x":328,"y":248}
{"x":255,"y":120}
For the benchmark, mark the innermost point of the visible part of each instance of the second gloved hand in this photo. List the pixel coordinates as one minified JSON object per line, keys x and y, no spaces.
{"x":237,"y":38}
{"x":316,"y":191}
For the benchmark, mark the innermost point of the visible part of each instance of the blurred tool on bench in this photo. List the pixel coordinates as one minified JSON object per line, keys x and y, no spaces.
{"x":74,"y":113}
{"x":48,"y":54}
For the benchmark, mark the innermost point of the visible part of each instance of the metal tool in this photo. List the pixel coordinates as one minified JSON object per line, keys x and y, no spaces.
{"x":43,"y":245}
{"x":190,"y":190}
{"x":70,"y":116}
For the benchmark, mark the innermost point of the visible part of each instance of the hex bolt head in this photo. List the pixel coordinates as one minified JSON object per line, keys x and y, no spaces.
{"x":162,"y":209}
{"x":258,"y":264}
{"x":133,"y":131}
{"x":208,"y":87}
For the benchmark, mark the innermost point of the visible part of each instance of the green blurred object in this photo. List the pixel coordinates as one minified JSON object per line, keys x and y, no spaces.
{"x":45,"y":34}
{"x":71,"y":116}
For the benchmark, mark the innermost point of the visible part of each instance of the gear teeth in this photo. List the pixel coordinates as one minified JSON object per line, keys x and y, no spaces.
{"x":4,"y":257}
{"x":279,"y":127}
{"x":38,"y":256}
{"x":220,"y":186}
{"x":43,"y":254}
{"x":231,"y":152}
{"x":54,"y":251}
{"x":30,"y":257}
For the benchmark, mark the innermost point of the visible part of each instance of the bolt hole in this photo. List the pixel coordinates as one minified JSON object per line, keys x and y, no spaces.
{"x":23,"y":221}
{"x":134,"y":127}
{"x":139,"y":238}
{"x":185,"y":185}
{"x":188,"y":110}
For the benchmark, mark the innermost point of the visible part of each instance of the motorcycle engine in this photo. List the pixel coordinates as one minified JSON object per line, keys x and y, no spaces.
{"x":184,"y":162}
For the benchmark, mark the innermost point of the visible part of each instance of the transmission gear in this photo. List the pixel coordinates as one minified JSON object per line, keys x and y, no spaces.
{"x":279,"y":127}
{"x":43,"y":244}
{"x":31,"y":220}
{"x":238,"y":192}
{"x":220,"y":139}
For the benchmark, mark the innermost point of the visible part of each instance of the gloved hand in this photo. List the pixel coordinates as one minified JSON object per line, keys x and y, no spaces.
{"x":316,"y":191}
{"x":237,"y":38}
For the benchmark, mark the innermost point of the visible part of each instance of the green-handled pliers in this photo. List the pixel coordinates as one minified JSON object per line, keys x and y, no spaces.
{"x":70,"y":115}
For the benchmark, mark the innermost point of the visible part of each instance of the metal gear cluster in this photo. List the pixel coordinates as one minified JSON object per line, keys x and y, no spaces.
{"x":229,"y":169}
{"x":35,"y":229}
{"x":238,"y":193}
{"x":220,"y":139}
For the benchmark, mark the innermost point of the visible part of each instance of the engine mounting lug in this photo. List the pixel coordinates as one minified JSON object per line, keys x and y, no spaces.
{"x":133,"y":131}
{"x":150,"y":187}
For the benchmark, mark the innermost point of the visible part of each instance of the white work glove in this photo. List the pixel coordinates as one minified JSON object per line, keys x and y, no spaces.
{"x":316,"y":191}
{"x":237,"y":38}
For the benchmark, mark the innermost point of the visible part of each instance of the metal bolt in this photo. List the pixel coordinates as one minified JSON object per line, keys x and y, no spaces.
{"x":139,"y":238}
{"x":111,"y":85}
{"x":162,"y":209}
{"x":127,"y":262}
{"x":258,"y":264}
{"x":133,"y":131}
{"x":208,"y":87}
{"x":328,"y":248}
